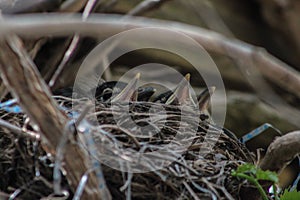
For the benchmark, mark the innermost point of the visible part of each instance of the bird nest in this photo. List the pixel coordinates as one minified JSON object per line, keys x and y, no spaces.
{"x":147,"y":150}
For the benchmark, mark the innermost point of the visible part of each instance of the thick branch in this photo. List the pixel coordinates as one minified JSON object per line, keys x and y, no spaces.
{"x":282,"y":151}
{"x":20,"y":75}
{"x":273,"y":69}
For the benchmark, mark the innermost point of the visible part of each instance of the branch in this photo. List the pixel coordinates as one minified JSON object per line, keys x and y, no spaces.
{"x":273,"y":69}
{"x":20,"y":75}
{"x":146,"y":6}
{"x":282,"y":151}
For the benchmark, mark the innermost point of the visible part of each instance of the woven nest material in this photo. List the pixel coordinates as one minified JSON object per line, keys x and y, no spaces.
{"x":170,"y":149}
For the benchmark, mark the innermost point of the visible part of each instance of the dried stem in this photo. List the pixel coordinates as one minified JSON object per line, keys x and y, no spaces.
{"x":145,"y":6}
{"x":73,"y":45}
{"x":20,"y":75}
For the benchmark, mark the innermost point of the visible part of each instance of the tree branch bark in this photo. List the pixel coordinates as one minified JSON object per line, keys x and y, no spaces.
{"x":21,"y":76}
{"x":282,"y":151}
{"x":278,"y":72}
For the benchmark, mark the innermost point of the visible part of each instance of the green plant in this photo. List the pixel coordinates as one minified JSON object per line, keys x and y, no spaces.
{"x":253,"y":174}
{"x":290,"y":195}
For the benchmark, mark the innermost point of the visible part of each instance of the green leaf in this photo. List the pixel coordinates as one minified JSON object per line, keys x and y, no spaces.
{"x":253,"y":174}
{"x":267,"y":176}
{"x":247,"y":168}
{"x":290,"y":195}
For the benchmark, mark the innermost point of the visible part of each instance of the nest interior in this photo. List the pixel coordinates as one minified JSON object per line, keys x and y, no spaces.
{"x":148,"y":150}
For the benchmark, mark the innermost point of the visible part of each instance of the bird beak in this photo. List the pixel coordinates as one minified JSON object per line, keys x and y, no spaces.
{"x":204,"y":98}
{"x":182,"y":94}
{"x":129,"y":93}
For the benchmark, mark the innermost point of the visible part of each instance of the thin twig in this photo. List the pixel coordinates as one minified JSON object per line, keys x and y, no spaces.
{"x":127,"y":132}
{"x":146,"y":6}
{"x":72,"y":5}
{"x":73,"y":45}
{"x":193,"y":194}
{"x":18,"y":131}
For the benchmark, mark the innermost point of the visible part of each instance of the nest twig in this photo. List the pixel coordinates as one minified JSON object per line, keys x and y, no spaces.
{"x":189,"y":173}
